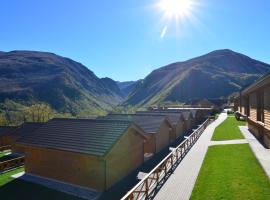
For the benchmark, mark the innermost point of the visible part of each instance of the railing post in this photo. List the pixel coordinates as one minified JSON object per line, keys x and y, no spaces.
{"x":146,"y":187}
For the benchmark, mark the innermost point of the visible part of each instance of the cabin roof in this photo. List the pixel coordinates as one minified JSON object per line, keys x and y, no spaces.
{"x":264,"y":80}
{"x":26,"y":128}
{"x":148,"y":123}
{"x":89,"y":136}
{"x":6,"y":130}
{"x":172,"y":116}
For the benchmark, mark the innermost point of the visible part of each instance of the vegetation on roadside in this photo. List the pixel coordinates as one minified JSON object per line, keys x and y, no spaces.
{"x":228,"y":130}
{"x":231,"y":172}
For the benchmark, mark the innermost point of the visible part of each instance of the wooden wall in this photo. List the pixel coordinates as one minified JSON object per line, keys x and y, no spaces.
{"x":124,"y":157}
{"x":180,"y":128}
{"x":75,"y":168}
{"x":86,"y":170}
{"x":253,"y":106}
{"x":150,"y":143}
{"x":267,"y":108}
{"x":162,"y":136}
{"x":172,"y":134}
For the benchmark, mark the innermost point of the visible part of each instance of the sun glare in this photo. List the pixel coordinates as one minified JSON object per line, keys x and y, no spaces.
{"x":175,"y":13}
{"x":176,"y":8}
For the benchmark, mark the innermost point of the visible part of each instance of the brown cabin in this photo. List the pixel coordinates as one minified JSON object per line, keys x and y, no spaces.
{"x":176,"y":119}
{"x":94,"y":154}
{"x":157,"y":129}
{"x":189,"y":121}
{"x":21,"y":131}
{"x":254,"y":103}
{"x":5,"y":132}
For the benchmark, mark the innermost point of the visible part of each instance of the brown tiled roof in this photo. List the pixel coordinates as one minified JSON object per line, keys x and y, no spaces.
{"x":26,"y":128}
{"x":174,"y":117}
{"x":95,"y":137}
{"x":148,"y":123}
{"x":6,"y":130}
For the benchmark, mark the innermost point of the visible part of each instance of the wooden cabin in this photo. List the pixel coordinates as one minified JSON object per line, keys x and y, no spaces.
{"x":92,"y":154}
{"x":21,"y":131}
{"x":156,"y":128}
{"x":176,"y":119}
{"x":200,"y":115}
{"x":254,"y":104}
{"x":189,"y":121}
{"x":5,"y":132}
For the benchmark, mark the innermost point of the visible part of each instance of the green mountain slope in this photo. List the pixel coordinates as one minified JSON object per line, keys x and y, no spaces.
{"x":68,"y":86}
{"x":214,"y":75}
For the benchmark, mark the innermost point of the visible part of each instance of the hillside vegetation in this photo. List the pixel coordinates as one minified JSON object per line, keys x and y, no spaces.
{"x":214,"y":75}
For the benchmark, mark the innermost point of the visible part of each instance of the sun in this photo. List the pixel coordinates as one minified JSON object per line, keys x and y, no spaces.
{"x":175,"y":13}
{"x":176,"y":8}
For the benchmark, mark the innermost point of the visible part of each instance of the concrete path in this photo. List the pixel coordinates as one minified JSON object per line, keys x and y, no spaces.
{"x":261,"y":153}
{"x":180,"y":184}
{"x":242,"y":141}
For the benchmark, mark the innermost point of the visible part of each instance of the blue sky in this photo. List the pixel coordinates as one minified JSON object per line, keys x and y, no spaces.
{"x":122,"y":39}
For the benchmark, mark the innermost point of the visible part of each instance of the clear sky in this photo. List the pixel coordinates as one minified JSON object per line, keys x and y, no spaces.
{"x":127,"y":39}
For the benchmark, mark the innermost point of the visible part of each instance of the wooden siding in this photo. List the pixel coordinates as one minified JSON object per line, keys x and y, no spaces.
{"x":124,"y":157}
{"x":75,"y":168}
{"x":95,"y":172}
{"x":162,"y":137}
{"x":150,"y":144}
{"x":180,"y":129}
{"x":172,"y":134}
{"x":267,"y":108}
{"x":253,"y":106}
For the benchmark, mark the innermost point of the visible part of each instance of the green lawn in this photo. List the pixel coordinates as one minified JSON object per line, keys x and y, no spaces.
{"x":231,"y":172}
{"x":228,"y":130}
{"x":15,"y":189}
{"x":6,"y":177}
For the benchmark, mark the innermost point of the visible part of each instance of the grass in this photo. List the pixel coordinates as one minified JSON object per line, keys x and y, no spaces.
{"x":231,"y":172}
{"x":228,"y":130}
{"x":14,"y":189}
{"x":6,"y":177}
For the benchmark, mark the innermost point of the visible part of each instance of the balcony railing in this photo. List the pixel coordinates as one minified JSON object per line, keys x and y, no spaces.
{"x":12,"y":163}
{"x":155,"y":179}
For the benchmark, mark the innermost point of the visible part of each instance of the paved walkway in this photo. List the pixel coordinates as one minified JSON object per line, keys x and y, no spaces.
{"x":242,"y":141}
{"x":180,"y":184}
{"x":261,"y":153}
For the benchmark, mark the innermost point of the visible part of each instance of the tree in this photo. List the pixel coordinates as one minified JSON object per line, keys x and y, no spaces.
{"x":3,"y":120}
{"x":40,"y":112}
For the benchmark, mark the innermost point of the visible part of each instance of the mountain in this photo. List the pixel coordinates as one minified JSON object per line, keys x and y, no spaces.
{"x":214,"y":75}
{"x":127,"y":86}
{"x":68,"y":86}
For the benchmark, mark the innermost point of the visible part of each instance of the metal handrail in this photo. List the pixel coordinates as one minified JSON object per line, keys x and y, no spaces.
{"x":161,"y":169}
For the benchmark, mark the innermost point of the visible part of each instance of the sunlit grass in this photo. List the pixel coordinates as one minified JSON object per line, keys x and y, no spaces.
{"x":229,"y":130}
{"x":231,"y":172}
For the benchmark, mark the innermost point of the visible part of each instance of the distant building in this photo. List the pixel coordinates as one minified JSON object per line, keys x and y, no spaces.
{"x":92,"y":154}
{"x":156,"y":129}
{"x":176,"y":118}
{"x":254,"y":104}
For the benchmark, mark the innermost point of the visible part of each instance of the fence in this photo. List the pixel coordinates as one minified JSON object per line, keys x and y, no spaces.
{"x":154,"y":179}
{"x":12,"y":163}
{"x":3,"y":148}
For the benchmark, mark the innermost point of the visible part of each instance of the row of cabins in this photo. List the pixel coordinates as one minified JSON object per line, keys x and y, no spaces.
{"x":254,"y":104}
{"x":97,"y":153}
